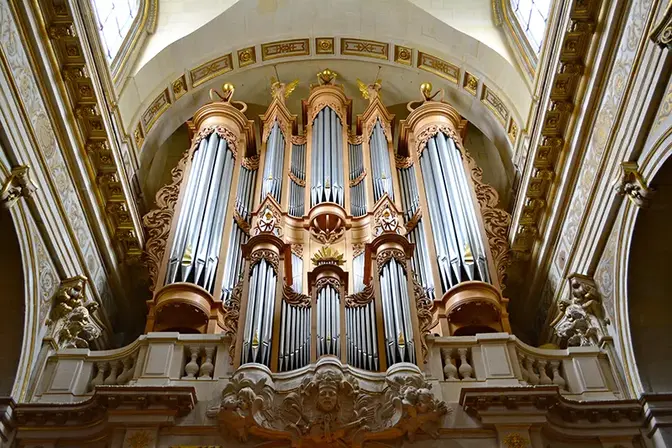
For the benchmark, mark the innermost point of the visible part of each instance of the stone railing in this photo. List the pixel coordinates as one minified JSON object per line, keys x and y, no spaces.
{"x":153,"y":359}
{"x":500,"y":359}
{"x":454,"y":363}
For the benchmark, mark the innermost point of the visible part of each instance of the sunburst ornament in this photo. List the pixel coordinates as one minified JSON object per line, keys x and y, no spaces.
{"x":140,"y":439}
{"x":327,"y":255}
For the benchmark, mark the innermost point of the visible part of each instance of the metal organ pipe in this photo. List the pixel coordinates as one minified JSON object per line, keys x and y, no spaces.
{"x":296,"y":191}
{"x":328,"y":321}
{"x":410,"y":199}
{"x":380,"y":163}
{"x":259,"y":319}
{"x":399,"y":342}
{"x":327,"y":159}
{"x":357,"y":191}
{"x":273,"y":164}
{"x":460,"y":252}
{"x":195,"y":253}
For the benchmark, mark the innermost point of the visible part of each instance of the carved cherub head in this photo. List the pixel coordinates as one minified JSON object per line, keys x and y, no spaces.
{"x":327,"y":396}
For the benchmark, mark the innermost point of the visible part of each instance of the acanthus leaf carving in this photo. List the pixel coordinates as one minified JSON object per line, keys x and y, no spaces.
{"x":265,"y":254}
{"x":295,"y":298}
{"x":329,"y":408}
{"x":424,"y":307}
{"x":18,"y":184}
{"x":361,"y":298}
{"x":158,"y":221}
{"x":384,"y":256}
{"x":327,"y":281}
{"x":231,"y":317}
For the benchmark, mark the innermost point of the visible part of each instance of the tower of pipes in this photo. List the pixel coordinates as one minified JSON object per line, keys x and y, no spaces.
{"x":329,"y":241}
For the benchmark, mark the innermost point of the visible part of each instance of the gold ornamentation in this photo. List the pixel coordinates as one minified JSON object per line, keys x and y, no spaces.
{"x":438,"y":66}
{"x":496,"y":105}
{"x":285,"y":49}
{"x":138,"y":137}
{"x":361,"y":298}
{"x":157,"y":222}
{"x":223,"y":133}
{"x":354,"y":139}
{"x":268,"y":221}
{"x":386,"y":221}
{"x":160,"y":104}
{"x":244,"y":225}
{"x":327,"y":255}
{"x":402,"y":162}
{"x":323,"y":282}
{"x":365,"y":48}
{"x":358,"y":249}
{"x":513,"y":131}
{"x":247,"y":56}
{"x":370,"y":91}
{"x":297,"y":249}
{"x":515,"y":440}
{"x":270,"y":256}
{"x":298,"y":139}
{"x":211,"y":69}
{"x":470,"y":83}
{"x":18,"y":184}
{"x":662,"y":32}
{"x":413,"y":222}
{"x":430,"y":131}
{"x":140,"y":439}
{"x":232,"y":316}
{"x":281,"y":91}
{"x":424,"y":306}
{"x":251,"y":163}
{"x":327,"y":77}
{"x":295,"y":298}
{"x":71,"y":315}
{"x":403,"y":55}
{"x":384,"y":256}
{"x":631,"y":184}
{"x":179,"y":87}
{"x":358,"y":179}
{"x":324,"y":45}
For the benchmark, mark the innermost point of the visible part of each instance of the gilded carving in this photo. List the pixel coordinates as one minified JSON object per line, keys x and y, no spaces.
{"x":295,"y":298}
{"x":384,"y":256}
{"x":211,"y":69}
{"x":495,"y":104}
{"x":329,"y":408}
{"x":71,"y":318}
{"x":160,"y":104}
{"x":366,"y":48}
{"x":513,"y":131}
{"x":17,"y":185}
{"x":250,"y":163}
{"x":285,"y":49}
{"x":386,"y":221}
{"x":157,"y":222}
{"x":361,"y":298}
{"x":327,"y":255}
{"x":515,"y":440}
{"x":323,"y":282}
{"x":470,"y":83}
{"x":403,"y":55}
{"x":425,"y":321}
{"x":247,"y":56}
{"x":413,"y":222}
{"x":232,"y":316}
{"x":324,"y":45}
{"x":271,"y":258}
{"x":244,"y":225}
{"x":438,"y":66}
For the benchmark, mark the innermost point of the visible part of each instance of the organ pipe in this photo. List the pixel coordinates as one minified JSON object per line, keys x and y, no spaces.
{"x":357,"y":184}
{"x":297,"y":180}
{"x":273,"y":164}
{"x":380,"y":163}
{"x":327,"y":158}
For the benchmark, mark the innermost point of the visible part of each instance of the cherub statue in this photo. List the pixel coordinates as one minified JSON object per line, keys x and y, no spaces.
{"x":370,"y":91}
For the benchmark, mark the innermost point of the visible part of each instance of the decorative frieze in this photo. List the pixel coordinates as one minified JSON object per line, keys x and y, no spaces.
{"x":179,"y":87}
{"x":324,"y":45}
{"x":247,"y":56}
{"x":211,"y":69}
{"x":160,"y":104}
{"x":495,"y":104}
{"x":365,"y":48}
{"x":285,"y":49}
{"x":403,"y":55}
{"x":470,"y":83}
{"x":439,"y":67}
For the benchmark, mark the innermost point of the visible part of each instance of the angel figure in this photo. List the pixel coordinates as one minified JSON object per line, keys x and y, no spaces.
{"x":281,"y":90}
{"x":370,"y":91}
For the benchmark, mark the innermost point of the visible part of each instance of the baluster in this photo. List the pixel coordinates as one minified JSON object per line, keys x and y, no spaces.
{"x":100,"y":375}
{"x":557,"y":377}
{"x":523,"y":370}
{"x":127,"y":371}
{"x":533,"y":378}
{"x":466,"y":371}
{"x":207,"y":367}
{"x":191,"y":369}
{"x":449,"y":369}
{"x":111,"y":379}
{"x":543,"y":376}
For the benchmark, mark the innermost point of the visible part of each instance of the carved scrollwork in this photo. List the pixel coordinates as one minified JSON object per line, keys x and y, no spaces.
{"x":222,"y":132}
{"x":231,"y":317}
{"x":323,"y":282}
{"x":331,"y":103}
{"x":297,"y":249}
{"x":269,"y":221}
{"x":295,"y":298}
{"x":424,"y":305}
{"x":415,"y":219}
{"x":158,"y":221}
{"x":265,"y":254}
{"x":384,"y":256}
{"x":285,"y":126}
{"x":296,"y":180}
{"x":358,"y":179}
{"x":358,"y":249}
{"x":385,"y":125}
{"x":18,"y":184}
{"x":403,"y":162}
{"x":244,"y":225}
{"x":361,"y":298}
{"x":329,"y":409}
{"x":298,"y":139}
{"x":355,"y":139}
{"x":251,"y":163}
{"x":430,"y":131}
{"x":386,"y":220}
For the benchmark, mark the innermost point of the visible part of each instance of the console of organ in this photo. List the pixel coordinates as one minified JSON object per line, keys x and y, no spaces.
{"x":269,"y":244}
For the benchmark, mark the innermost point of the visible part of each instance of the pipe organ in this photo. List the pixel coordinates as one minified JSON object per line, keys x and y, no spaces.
{"x":269,"y":246}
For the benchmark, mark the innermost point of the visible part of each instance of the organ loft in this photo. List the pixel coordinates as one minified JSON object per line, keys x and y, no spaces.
{"x":328,"y":241}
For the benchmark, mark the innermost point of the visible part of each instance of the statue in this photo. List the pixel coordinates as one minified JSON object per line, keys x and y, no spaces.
{"x":370,"y":91}
{"x":71,"y":317}
{"x":280,"y":90}
{"x":579,"y":318}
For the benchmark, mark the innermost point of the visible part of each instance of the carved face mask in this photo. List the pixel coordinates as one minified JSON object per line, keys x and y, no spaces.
{"x":326,"y":398}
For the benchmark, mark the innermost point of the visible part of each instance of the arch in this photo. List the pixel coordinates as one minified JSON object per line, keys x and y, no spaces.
{"x":655,"y":166}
